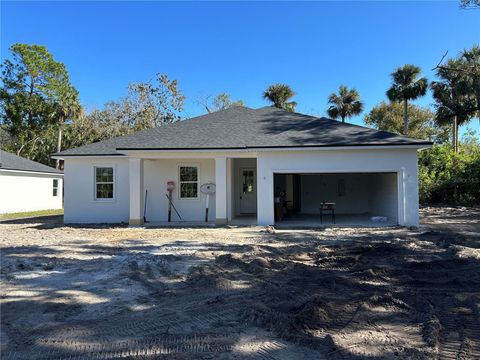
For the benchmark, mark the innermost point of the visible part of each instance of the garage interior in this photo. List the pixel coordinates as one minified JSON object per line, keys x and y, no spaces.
{"x":355,"y":199}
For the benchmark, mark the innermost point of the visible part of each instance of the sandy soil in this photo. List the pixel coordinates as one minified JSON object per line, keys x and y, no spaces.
{"x":242,"y":293}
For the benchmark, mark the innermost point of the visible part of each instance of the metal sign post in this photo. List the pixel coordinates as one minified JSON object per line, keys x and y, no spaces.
{"x":207,"y":189}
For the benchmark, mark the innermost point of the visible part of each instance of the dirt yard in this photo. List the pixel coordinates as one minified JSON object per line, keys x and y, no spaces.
{"x":242,"y":293}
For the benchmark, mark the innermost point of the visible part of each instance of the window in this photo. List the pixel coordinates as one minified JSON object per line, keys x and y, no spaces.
{"x":103,"y":183}
{"x":55,"y":187}
{"x":188,"y":182}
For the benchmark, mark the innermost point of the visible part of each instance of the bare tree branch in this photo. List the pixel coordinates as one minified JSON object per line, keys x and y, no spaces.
{"x":441,"y":60}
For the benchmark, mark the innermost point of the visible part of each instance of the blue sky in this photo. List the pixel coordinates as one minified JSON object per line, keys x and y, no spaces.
{"x":241,"y":48}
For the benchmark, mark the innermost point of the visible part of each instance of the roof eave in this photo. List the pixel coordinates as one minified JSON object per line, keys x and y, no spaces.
{"x":32,"y":171}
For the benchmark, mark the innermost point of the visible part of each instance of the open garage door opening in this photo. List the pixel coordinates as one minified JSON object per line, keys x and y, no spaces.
{"x":350,"y":199}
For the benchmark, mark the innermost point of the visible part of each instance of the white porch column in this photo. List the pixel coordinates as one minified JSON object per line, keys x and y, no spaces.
{"x":221,"y":190}
{"x":229,"y":189}
{"x":265,"y":199}
{"x":136,"y":191}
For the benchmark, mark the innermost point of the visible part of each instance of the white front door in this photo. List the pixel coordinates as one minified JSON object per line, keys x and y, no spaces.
{"x":248,"y":191}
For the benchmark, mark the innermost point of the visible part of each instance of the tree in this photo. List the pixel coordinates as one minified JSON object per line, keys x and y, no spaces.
{"x":278,"y":95}
{"x":67,"y":106}
{"x":152,"y":104}
{"x":146,"y":105}
{"x":33,"y":99}
{"x":469,"y":85}
{"x":221,"y":101}
{"x":450,"y":107}
{"x":345,"y":104}
{"x":406,"y":85}
{"x":422,"y":125}
{"x":470,"y":4}
{"x":457,"y":92}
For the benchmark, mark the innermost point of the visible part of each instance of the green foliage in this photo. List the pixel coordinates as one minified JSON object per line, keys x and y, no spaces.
{"x":449,"y":177}
{"x":344,"y":105}
{"x":457,"y":93}
{"x":31,"y":214}
{"x":35,"y":96}
{"x":406,"y":85}
{"x":389,"y":117}
{"x":278,"y":95}
{"x":221,"y":101}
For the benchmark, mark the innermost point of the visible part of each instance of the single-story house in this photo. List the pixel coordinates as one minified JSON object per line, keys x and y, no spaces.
{"x":26,"y":185}
{"x":268,"y":166}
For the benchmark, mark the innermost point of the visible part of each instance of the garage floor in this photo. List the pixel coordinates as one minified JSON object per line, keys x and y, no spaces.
{"x":341,"y":220}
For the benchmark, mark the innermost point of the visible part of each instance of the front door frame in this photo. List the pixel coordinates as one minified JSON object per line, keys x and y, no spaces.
{"x":240,"y":190}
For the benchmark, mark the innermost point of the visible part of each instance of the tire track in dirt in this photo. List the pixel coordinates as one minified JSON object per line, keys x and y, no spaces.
{"x":85,"y":337}
{"x":460,"y":329}
{"x":161,"y":345}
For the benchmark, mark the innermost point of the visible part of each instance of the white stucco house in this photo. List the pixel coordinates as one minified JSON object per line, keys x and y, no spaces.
{"x":269,"y":166}
{"x":27,"y":185}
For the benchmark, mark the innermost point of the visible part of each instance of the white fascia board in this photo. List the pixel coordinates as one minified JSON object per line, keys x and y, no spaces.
{"x":63,"y":157}
{"x":31,"y":172}
{"x":239,"y":153}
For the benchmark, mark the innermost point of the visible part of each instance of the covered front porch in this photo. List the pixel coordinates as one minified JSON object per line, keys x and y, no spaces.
{"x":151,"y":203}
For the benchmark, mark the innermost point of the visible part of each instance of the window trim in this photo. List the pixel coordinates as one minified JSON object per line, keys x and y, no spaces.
{"x":180,"y":182}
{"x":55,"y":188}
{"x":114,"y":182}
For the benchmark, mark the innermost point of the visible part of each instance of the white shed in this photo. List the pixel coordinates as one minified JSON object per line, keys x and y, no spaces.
{"x":27,"y":185}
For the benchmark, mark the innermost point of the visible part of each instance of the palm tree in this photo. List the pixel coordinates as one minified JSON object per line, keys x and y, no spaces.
{"x":279,"y":94}
{"x":407,"y":86}
{"x":67,"y":107}
{"x":345,"y":104}
{"x":453,"y":104}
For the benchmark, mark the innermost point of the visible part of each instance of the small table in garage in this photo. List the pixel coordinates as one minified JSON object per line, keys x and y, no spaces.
{"x":327,"y":207}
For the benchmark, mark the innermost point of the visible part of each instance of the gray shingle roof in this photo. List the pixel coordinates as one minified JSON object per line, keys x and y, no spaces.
{"x":9,"y":161}
{"x":244,"y":128}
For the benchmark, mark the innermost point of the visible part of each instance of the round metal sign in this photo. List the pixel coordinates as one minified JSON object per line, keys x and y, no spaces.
{"x":208,"y":188}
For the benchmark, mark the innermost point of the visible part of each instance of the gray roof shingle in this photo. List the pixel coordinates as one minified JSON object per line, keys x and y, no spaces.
{"x":9,"y":161}
{"x":244,"y":128}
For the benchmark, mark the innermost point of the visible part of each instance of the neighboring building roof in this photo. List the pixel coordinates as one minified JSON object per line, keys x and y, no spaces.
{"x":9,"y":161}
{"x":244,"y":128}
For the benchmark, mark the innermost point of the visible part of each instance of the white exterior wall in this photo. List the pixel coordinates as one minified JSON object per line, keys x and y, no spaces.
{"x":156,"y":175}
{"x":314,"y":188}
{"x":81,"y":206}
{"x":28,"y":191}
{"x":382,"y":192}
{"x":80,"y":203}
{"x":401,"y":161}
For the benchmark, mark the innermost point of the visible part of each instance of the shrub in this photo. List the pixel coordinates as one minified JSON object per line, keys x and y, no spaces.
{"x":446,"y":177}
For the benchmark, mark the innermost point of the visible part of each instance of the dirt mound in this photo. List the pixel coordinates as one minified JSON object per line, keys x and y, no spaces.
{"x":431,"y":330}
{"x":375,"y":273}
{"x":337,"y":261}
{"x":293,"y":322}
{"x":256,"y":266}
{"x":204,"y":277}
{"x":387,"y":301}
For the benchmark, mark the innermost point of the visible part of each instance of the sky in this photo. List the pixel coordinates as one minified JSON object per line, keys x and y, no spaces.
{"x":241,"y":48}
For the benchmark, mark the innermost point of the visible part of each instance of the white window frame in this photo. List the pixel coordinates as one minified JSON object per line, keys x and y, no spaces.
{"x":95,"y":167}
{"x":180,"y":182}
{"x":55,"y":187}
